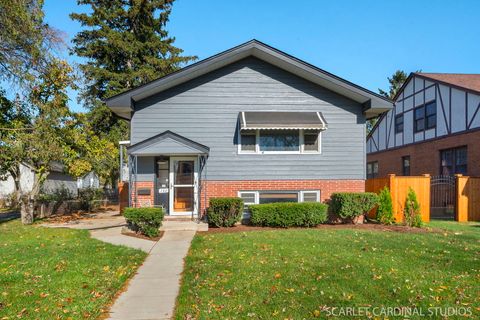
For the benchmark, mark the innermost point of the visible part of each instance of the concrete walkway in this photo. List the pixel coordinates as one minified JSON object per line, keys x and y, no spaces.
{"x":107,"y":227}
{"x":151,"y":294}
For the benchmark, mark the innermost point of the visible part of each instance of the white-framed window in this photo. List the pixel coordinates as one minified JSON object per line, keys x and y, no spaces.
{"x":282,"y":141}
{"x":310,"y":196}
{"x":271,"y":196}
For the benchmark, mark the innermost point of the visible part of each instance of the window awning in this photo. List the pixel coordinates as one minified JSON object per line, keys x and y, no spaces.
{"x":253,"y":120}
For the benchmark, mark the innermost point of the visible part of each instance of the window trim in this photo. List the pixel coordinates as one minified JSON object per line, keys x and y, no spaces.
{"x":409,"y":165}
{"x":374,"y":174}
{"x":301,"y":133}
{"x":424,"y":119}
{"x":432,"y":115}
{"x":454,"y":159}
{"x":403,"y":122}
{"x":300,"y":194}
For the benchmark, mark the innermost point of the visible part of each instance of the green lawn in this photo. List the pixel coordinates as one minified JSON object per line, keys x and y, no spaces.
{"x":59,"y":273}
{"x":300,"y":274}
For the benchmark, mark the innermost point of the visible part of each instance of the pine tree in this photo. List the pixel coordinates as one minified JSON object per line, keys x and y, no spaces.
{"x":126,"y":44}
{"x":396,"y":82}
{"x":412,"y":214}
{"x":385,"y":207}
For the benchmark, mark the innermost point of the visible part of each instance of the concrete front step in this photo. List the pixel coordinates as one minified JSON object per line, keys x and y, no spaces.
{"x":175,"y":225}
{"x":178,"y":218}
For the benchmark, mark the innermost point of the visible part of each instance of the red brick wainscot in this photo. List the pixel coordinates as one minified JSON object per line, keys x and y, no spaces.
{"x":143,"y":200}
{"x":230,"y":188}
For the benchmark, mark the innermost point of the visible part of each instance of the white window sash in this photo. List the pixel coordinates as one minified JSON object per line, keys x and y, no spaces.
{"x":301,"y":194}
{"x":300,"y":151}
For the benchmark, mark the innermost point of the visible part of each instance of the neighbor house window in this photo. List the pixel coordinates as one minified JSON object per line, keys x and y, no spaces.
{"x":399,"y":123}
{"x":453,"y":161}
{"x":430,"y":115}
{"x":425,"y":116}
{"x":406,"y":165}
{"x":279,"y":141}
{"x":372,"y":170}
{"x":419,"y":119}
{"x":260,"y":197}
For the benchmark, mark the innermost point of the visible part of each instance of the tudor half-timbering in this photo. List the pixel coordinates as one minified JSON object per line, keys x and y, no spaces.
{"x":252,"y":122}
{"x":433,"y":128}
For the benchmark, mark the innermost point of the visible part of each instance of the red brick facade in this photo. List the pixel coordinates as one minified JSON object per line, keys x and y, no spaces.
{"x":212,"y":189}
{"x":425,"y":156}
{"x":144,"y":200}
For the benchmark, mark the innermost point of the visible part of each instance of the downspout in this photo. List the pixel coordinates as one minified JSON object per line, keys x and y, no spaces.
{"x":130,"y":180}
{"x":205,"y":193}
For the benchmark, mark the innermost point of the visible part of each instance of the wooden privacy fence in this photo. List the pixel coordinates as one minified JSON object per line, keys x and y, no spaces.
{"x":468,"y":199}
{"x":399,"y":187}
{"x":122,"y":195}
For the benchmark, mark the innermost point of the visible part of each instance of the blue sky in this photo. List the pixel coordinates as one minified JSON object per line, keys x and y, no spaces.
{"x":361,"y":41}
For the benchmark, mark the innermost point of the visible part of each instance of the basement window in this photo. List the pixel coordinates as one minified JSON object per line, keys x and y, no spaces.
{"x":261,"y":197}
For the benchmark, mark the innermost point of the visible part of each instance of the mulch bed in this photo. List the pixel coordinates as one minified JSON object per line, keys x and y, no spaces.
{"x":79,"y":215}
{"x":141,"y":236}
{"x":365,"y":226}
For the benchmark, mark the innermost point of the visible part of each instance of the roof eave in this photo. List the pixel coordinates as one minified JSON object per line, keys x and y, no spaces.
{"x":122,"y":103}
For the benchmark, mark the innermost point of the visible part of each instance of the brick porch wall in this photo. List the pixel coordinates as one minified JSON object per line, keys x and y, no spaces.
{"x":231,"y":188}
{"x":143,"y":198}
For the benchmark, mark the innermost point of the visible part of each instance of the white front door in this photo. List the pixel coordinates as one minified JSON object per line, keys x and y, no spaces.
{"x":183,"y":185}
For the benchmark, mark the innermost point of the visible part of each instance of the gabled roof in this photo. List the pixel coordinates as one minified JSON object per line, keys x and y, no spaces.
{"x":465,"y":81}
{"x":374,"y":103}
{"x":470,"y":81}
{"x":167,"y":143}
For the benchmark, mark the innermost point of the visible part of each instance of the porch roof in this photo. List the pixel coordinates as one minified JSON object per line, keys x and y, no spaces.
{"x":167,"y":143}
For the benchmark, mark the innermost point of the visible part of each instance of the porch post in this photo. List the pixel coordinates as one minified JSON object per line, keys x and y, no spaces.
{"x":120,"y":148}
{"x":130,"y":180}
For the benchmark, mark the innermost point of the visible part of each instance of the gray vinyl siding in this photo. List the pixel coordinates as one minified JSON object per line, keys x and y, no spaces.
{"x":145,"y":168}
{"x":206,"y":110}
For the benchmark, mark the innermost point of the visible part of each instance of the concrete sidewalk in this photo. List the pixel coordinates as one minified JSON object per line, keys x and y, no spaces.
{"x":151,"y":294}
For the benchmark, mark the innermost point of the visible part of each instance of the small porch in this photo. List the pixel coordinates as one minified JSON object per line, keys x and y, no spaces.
{"x":166,"y":171}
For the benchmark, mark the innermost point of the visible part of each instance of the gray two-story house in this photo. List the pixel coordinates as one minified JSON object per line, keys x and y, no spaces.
{"x":252,"y":122}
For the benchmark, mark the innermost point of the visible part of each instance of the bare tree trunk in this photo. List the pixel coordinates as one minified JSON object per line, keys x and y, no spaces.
{"x":26,"y":210}
{"x":28,"y":201}
{"x":15,"y":173}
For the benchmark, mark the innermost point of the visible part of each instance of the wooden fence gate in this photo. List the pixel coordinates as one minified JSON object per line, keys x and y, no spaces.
{"x":443,"y":197}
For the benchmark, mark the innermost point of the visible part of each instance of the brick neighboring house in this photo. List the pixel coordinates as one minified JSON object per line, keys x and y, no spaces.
{"x":252,"y":122}
{"x":433,"y":128}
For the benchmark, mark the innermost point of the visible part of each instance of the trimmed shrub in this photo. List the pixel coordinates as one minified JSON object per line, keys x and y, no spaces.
{"x":411,"y":212}
{"x":224,"y":212}
{"x":351,"y":205}
{"x":144,"y":220}
{"x":385,"y":207}
{"x":288,"y":214}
